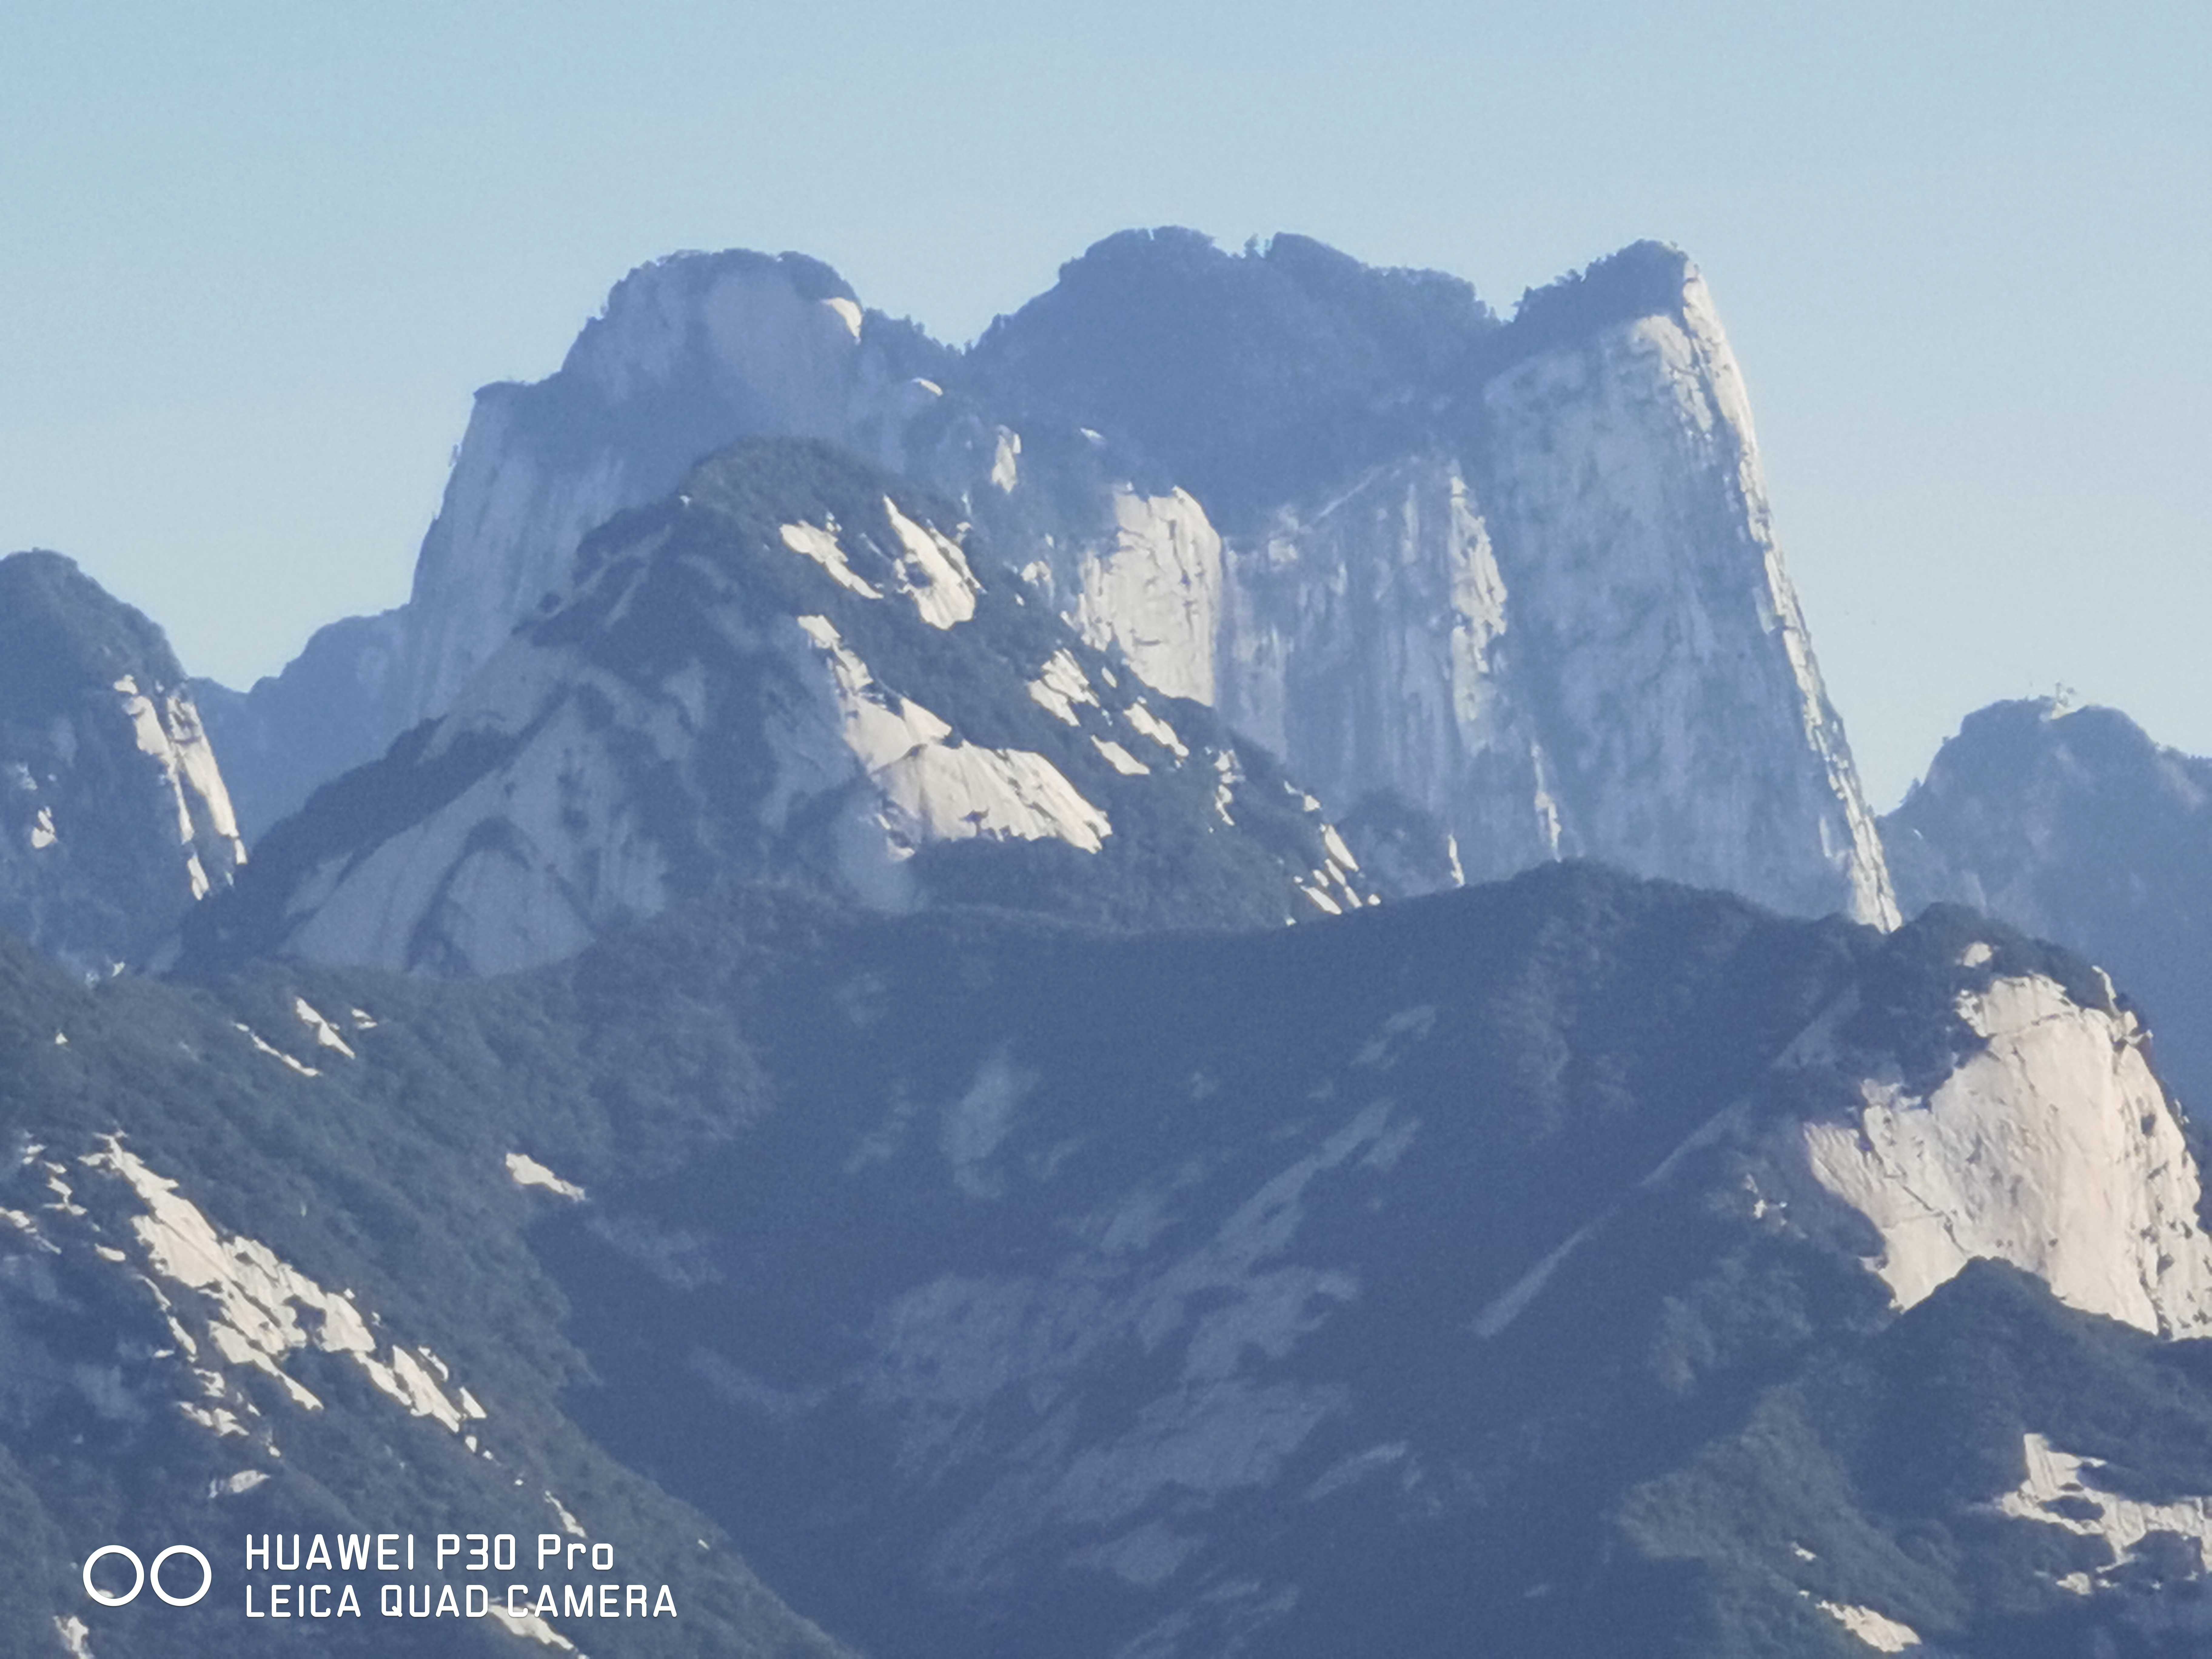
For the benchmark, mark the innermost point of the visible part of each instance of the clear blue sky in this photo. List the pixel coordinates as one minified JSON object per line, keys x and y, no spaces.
{"x":253,"y":259}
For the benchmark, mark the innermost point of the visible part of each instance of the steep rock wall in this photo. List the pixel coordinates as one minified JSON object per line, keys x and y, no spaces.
{"x":114,"y":819}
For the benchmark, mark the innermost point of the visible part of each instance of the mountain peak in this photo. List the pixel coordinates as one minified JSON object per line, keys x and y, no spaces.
{"x":113,"y":816}
{"x":796,"y":669}
{"x":61,"y":633}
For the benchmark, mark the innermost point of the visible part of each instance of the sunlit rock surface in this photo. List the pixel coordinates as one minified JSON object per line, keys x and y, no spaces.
{"x":114,"y":819}
{"x":2052,"y":1147}
{"x":691,"y":353}
{"x":2072,"y":823}
{"x":1520,"y":577}
{"x":784,"y":673}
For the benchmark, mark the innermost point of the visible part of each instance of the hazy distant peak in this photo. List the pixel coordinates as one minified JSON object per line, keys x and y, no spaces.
{"x":1252,"y":376}
{"x":60,"y":632}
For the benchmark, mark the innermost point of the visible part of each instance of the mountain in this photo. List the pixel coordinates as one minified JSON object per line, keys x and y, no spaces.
{"x":1578,"y":1265}
{"x":264,"y":1276}
{"x":1510,"y":590}
{"x":690,"y":354}
{"x":2072,"y":824}
{"x":113,"y":817}
{"x":1518,"y":580}
{"x":790,"y":670}
{"x":1572,"y":1267}
{"x":325,"y":713}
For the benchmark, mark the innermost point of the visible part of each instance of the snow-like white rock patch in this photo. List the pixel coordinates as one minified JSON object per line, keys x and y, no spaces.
{"x":821,"y":546}
{"x":326,"y":1035}
{"x":2055,"y":1477}
{"x":1156,"y":729}
{"x":263,"y":1045}
{"x":42,"y":831}
{"x":936,"y":788}
{"x":1006,"y":461}
{"x":847,"y":312}
{"x":1878,"y":1632}
{"x":2053,"y":1149}
{"x":570,"y":1524}
{"x":1060,"y":686}
{"x":76,"y":1637}
{"x":527,"y":1171}
{"x":244,"y":1481}
{"x":1121,"y":759}
{"x":531,"y":1626}
{"x":1227,"y":775}
{"x":933,"y":572}
{"x":255,"y":1299}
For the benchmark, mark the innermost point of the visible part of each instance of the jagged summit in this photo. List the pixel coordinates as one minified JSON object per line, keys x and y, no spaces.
{"x":690,"y":354}
{"x":1644,"y":279}
{"x":1516,"y":584}
{"x":113,"y":817}
{"x":797,"y":668}
{"x":1250,"y":378}
{"x":2073,"y":823}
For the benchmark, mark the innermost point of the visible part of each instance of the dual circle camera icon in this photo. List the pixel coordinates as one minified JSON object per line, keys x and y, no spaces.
{"x":141,"y":1575}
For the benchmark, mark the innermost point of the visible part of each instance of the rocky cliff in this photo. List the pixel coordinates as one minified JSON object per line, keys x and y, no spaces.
{"x":1512,"y":588}
{"x":1569,"y":1268}
{"x":2072,"y":823}
{"x":1523,"y":578}
{"x":792,"y":669}
{"x":691,"y":353}
{"x":113,"y":817}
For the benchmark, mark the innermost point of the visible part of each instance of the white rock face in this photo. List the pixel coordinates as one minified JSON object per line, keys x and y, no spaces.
{"x":114,"y":816}
{"x":1586,"y":645}
{"x":1364,"y":639}
{"x":706,"y":349}
{"x":692,"y":352}
{"x":935,"y":790}
{"x":1557,"y":624}
{"x":247,"y":1305}
{"x":2053,"y":1149}
{"x":1154,"y":590}
{"x":1689,"y":734}
{"x":694,"y":711}
{"x":2055,"y":1477}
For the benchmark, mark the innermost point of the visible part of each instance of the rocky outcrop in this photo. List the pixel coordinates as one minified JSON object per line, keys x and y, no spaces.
{"x":2050,"y":1147}
{"x":792,"y":669}
{"x":246,"y":1292}
{"x":329,"y":710}
{"x":1361,"y":1287}
{"x":1549,"y":609}
{"x":115,"y":820}
{"x":2071,"y":823}
{"x":691,"y":353}
{"x":1520,"y":578}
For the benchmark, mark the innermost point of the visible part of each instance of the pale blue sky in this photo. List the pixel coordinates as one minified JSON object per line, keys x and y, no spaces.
{"x":254,"y":258}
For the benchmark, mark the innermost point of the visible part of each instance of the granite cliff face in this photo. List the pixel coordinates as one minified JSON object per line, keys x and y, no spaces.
{"x":262,"y":1271}
{"x":691,"y":353}
{"x":783,"y":672}
{"x":2072,"y":823}
{"x":113,"y":817}
{"x":1524,"y":578}
{"x":1564,"y":1268}
{"x":1510,"y":587}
